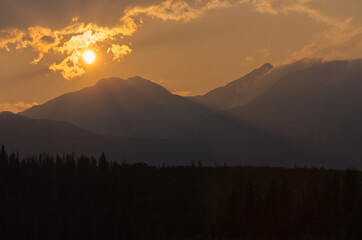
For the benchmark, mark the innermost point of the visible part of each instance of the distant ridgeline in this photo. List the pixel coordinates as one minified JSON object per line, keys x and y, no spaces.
{"x":68,"y":197}
{"x":306,"y":113}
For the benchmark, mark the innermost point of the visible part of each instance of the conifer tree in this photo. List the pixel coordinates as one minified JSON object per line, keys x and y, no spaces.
{"x":3,"y":156}
{"x":103,"y":163}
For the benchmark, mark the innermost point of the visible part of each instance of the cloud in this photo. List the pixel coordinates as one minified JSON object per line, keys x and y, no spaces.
{"x":69,"y":41}
{"x":342,"y":39}
{"x":275,"y":7}
{"x":334,"y":43}
{"x":176,"y":10}
{"x":16,"y":107}
{"x":72,"y":40}
{"x":56,"y":14}
{"x":69,"y":67}
{"x":119,"y":51}
{"x":249,"y":59}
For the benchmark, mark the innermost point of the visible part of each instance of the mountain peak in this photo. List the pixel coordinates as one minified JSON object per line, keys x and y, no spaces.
{"x":264,"y":69}
{"x":137,"y":82}
{"x":238,"y":92}
{"x":6,"y":113}
{"x":133,"y":107}
{"x":266,"y":66}
{"x":110,"y":80}
{"x":259,"y":72}
{"x":138,"y":78}
{"x":117,"y":80}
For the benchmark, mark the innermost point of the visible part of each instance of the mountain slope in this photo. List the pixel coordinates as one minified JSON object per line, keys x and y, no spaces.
{"x":35,"y":136}
{"x":130,"y":108}
{"x":319,"y":107}
{"x":31,"y":136}
{"x":146,"y":112}
{"x":248,"y":88}
{"x":309,"y":114}
{"x":208,"y":141}
{"x":238,"y":92}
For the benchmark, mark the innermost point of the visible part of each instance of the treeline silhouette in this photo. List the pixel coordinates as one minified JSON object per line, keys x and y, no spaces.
{"x":70,"y":197}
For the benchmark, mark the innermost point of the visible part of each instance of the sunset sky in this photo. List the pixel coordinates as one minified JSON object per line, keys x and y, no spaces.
{"x":189,"y":47}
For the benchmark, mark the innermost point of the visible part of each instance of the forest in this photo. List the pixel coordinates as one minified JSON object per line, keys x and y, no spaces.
{"x":80,"y":197}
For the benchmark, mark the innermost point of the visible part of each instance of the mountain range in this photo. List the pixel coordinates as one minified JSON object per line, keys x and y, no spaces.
{"x":303,"y":113}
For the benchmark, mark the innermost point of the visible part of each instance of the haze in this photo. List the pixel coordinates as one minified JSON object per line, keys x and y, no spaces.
{"x":189,"y":47}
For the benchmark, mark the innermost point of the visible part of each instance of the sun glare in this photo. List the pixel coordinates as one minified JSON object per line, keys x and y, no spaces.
{"x":89,"y":56}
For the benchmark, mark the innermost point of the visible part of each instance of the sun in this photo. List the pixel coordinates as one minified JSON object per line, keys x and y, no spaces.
{"x":89,"y":56}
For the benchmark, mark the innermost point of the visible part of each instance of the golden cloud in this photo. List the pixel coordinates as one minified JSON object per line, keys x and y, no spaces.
{"x":77,"y":37}
{"x":71,"y":41}
{"x":176,"y":10}
{"x":119,"y":51}
{"x":69,"y":67}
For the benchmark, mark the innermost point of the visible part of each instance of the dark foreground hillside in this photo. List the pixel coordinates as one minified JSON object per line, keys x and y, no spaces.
{"x":67,"y":197}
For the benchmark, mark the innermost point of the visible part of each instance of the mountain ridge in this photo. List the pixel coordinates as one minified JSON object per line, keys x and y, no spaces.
{"x":317,"y":107}
{"x":305,"y":112}
{"x":131,"y":108}
{"x":236,"y":92}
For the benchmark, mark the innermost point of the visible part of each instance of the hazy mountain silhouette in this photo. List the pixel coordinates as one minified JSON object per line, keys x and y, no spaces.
{"x":146,"y":112}
{"x":238,"y":92}
{"x":248,"y":88}
{"x":36,"y":136}
{"x":319,"y":107}
{"x":307,"y":112}
{"x":132,"y":108}
{"x":31,"y":136}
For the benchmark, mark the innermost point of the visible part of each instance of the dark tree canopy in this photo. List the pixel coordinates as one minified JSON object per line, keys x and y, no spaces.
{"x":78,"y":197}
